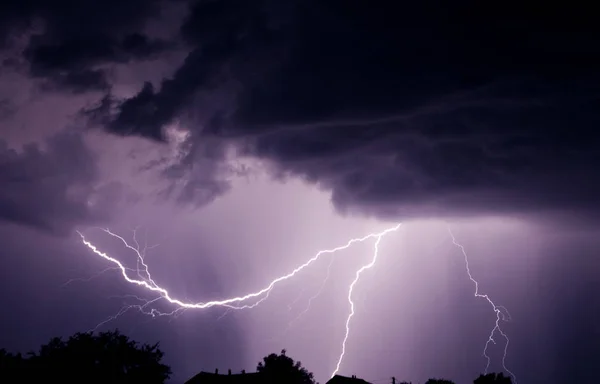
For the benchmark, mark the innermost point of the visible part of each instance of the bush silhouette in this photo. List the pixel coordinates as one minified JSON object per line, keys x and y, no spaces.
{"x":283,"y":369}
{"x":11,"y":366}
{"x":85,"y":357}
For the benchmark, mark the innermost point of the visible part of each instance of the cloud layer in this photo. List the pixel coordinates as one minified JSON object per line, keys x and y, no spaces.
{"x":407,"y":110}
{"x":52,"y":188}
{"x":73,"y":41}
{"x":394,"y":108}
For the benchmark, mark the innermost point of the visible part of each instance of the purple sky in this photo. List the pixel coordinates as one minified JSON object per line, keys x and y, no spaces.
{"x":270,"y":132}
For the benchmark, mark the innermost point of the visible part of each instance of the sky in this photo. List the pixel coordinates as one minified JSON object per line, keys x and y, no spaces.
{"x":240,"y":138}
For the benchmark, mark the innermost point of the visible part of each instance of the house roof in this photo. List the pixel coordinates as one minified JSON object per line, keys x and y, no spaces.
{"x":255,"y":378}
{"x":239,"y":378}
{"x":337,"y":379}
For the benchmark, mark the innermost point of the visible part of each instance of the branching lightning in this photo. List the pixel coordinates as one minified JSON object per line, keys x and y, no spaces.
{"x":95,"y":275}
{"x":144,"y":280}
{"x":500,"y":311}
{"x":141,"y":277}
{"x":310,"y":300}
{"x":350,"y":290}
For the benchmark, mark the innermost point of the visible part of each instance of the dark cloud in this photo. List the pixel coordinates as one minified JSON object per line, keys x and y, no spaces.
{"x":200,"y":177}
{"x":69,"y":18}
{"x":427,"y":108}
{"x":232,"y":41}
{"x":75,"y":81}
{"x":74,"y":38}
{"x":71,"y":63}
{"x":51,"y":188}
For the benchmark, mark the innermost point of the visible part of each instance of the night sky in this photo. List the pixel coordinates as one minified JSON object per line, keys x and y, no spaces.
{"x":243,"y":136}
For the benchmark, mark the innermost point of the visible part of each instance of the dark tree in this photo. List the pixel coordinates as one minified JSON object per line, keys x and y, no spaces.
{"x":10,"y":365}
{"x":493,"y":378}
{"x":108,"y":357}
{"x":283,"y":369}
{"x":439,"y":381}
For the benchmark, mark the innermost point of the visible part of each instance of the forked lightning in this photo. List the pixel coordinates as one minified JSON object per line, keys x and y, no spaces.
{"x":249,"y":300}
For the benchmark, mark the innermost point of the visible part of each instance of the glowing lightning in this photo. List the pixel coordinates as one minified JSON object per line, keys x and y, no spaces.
{"x":313,"y":296}
{"x":501,"y":314}
{"x":144,"y":279}
{"x":350,"y":290}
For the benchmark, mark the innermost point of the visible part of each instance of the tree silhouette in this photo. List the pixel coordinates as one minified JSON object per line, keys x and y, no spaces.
{"x":493,"y":378}
{"x":10,"y":365}
{"x":283,"y":369}
{"x":439,"y":381}
{"x":84,"y":357}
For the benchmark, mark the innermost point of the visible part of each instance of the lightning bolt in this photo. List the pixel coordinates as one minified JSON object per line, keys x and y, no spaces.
{"x":144,"y":280}
{"x":350,"y":290}
{"x":87,"y":279}
{"x":500,"y":311}
{"x":310,"y":300}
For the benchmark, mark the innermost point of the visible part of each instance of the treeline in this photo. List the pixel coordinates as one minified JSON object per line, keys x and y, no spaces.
{"x":111,"y":357}
{"x":108,"y":357}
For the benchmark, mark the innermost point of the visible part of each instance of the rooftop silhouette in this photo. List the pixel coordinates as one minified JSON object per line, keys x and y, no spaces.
{"x":338,"y":379}
{"x":228,"y":378}
{"x":257,"y":378}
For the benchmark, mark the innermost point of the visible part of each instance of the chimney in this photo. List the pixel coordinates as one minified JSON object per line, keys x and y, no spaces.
{"x":229,"y":372}
{"x":393,"y":380}
{"x":217,"y":371}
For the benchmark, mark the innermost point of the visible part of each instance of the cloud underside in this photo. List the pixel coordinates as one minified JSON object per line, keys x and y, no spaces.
{"x":73,"y":44}
{"x":398,"y":109}
{"x":51,"y":188}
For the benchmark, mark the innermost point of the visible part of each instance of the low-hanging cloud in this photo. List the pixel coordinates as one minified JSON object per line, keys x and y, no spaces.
{"x":52,"y":188}
{"x":72,"y":43}
{"x":394,"y":109}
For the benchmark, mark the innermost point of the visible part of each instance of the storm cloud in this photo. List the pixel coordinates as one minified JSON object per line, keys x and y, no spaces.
{"x":410,"y":110}
{"x":394,"y":108}
{"x":73,"y":42}
{"x":52,"y":187}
